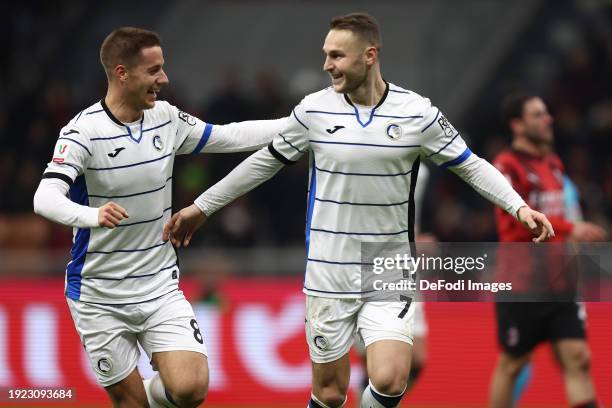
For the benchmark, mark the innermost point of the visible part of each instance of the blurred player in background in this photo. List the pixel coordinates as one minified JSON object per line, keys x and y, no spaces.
{"x":366,"y":138}
{"x":538,"y":174}
{"x":115,"y":160}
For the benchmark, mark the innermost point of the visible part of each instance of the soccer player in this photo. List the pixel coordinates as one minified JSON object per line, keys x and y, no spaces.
{"x":115,"y":160}
{"x":365,"y":139}
{"x":536,"y":172}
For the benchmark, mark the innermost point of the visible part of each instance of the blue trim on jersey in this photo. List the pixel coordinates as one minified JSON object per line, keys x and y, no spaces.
{"x":460,"y":159}
{"x":146,"y":221}
{"x":363,"y":125}
{"x":130,"y":165}
{"x":78,"y":116}
{"x":92,"y":112}
{"x":432,"y":122}
{"x":402,"y":92}
{"x":347,"y":293}
{"x":445,"y":146}
{"x":134,"y":194}
{"x":339,"y":263}
{"x":128,"y":250}
{"x":78,"y":194}
{"x":368,"y":204}
{"x":357,"y":233}
{"x":157,"y":127}
{"x":130,"y":131}
{"x":75,"y":141}
{"x":365,"y":174}
{"x":203,"y":139}
{"x":131,"y":277}
{"x":289,"y":143}
{"x":298,"y":119}
{"x":311,"y":202}
{"x":363,"y":144}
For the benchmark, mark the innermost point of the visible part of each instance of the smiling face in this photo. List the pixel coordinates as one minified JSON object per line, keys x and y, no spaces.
{"x":144,"y":79}
{"x":348,"y":60}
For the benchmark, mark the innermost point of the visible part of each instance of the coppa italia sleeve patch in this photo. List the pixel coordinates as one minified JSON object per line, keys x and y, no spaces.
{"x":61,"y":152}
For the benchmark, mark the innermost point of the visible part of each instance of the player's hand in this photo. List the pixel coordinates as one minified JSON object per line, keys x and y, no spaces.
{"x":180,"y":228}
{"x":537,"y":223}
{"x":111,"y":214}
{"x":587,"y":232}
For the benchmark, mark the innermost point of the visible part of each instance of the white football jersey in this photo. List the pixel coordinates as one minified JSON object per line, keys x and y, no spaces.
{"x":131,"y":164}
{"x":364,"y":163}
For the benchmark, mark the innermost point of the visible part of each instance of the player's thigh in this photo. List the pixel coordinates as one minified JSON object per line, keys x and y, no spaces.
{"x":330,"y":381}
{"x":173,"y":341}
{"x":184,"y":373}
{"x":520,"y":326}
{"x":128,"y":392}
{"x":330,"y":327}
{"x":573,"y":354}
{"x":387,"y":330}
{"x":109,"y":340}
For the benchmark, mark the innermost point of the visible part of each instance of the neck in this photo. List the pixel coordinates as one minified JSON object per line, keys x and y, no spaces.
{"x":371,"y":91}
{"x":119,"y":107}
{"x":523,"y":145}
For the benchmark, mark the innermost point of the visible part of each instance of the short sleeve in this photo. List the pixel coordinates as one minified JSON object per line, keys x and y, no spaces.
{"x":293,"y":140}
{"x":441,"y":142}
{"x":191,"y":132}
{"x":71,"y":154}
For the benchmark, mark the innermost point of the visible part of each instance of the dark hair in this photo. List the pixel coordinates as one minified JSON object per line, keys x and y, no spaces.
{"x":362,"y":24}
{"x":513,"y":105}
{"x":123,"y":46}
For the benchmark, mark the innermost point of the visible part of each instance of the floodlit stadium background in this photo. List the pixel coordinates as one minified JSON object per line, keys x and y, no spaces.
{"x":235,"y":60}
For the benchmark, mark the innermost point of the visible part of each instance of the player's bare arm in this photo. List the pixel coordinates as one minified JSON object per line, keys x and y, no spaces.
{"x":180,"y":228}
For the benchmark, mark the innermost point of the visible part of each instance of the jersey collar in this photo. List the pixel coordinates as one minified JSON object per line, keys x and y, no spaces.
{"x":382,"y":100}
{"x":118,"y":122}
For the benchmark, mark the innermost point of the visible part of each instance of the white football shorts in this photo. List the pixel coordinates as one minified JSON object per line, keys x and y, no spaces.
{"x":331,"y":325}
{"x":110,"y":333}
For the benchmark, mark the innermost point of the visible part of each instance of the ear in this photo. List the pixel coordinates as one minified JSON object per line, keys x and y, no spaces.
{"x":371,"y":55}
{"x":516,"y":126}
{"x":120,"y":73}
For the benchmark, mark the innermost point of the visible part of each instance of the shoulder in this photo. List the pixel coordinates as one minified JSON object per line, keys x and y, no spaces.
{"x":320,"y":98}
{"x":555,"y":161}
{"x":506,"y":160}
{"x":84,"y":121}
{"x":411,"y":101}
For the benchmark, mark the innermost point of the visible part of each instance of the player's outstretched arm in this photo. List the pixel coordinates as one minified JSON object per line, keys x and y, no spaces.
{"x":536,"y":222}
{"x":253,"y":171}
{"x":491,"y":184}
{"x":50,"y":201}
{"x":243,"y":136}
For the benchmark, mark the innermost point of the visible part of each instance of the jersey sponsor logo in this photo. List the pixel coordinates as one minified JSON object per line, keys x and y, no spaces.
{"x":157,"y":142}
{"x":447,"y":128}
{"x":394,"y":131}
{"x":321,"y":342}
{"x":71,"y":131}
{"x":334,"y":129}
{"x":116,"y":152}
{"x":104,"y":365}
{"x":187,"y":118}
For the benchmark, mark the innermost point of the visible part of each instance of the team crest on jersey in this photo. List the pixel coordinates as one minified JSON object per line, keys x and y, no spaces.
{"x":157,"y":142}
{"x":447,"y":128}
{"x":61,"y":153}
{"x":321,"y":342}
{"x":104,"y":365}
{"x":394,"y":131}
{"x":187,"y":118}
